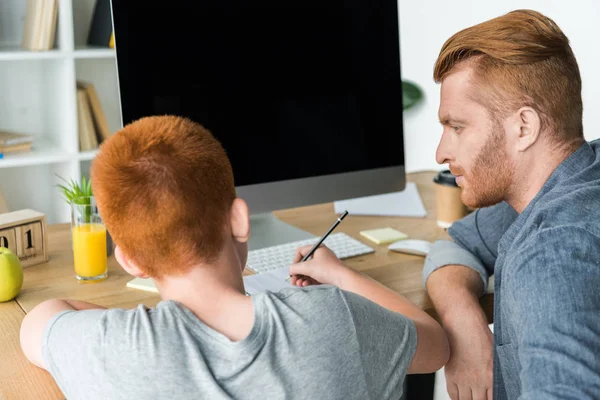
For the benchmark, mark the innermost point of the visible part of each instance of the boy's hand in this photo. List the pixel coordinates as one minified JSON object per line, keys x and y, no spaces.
{"x":323,"y":267}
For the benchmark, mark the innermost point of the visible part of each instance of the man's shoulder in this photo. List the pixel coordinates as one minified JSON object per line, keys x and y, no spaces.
{"x":557,"y":237}
{"x":570,"y":209}
{"x":556,"y":250}
{"x":570,"y":205}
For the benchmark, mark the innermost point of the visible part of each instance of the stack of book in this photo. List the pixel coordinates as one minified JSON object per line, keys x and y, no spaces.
{"x":91,"y":120}
{"x":12,"y":142}
{"x":40,"y":25}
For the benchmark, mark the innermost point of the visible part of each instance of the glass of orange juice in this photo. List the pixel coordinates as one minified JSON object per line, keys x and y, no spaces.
{"x":89,"y":241}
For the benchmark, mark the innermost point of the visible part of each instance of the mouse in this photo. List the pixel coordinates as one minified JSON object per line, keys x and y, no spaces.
{"x":411,"y":246}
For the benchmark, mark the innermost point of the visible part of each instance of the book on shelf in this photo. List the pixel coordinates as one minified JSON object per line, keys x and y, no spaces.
{"x":12,"y":142}
{"x":85,"y":122}
{"x":17,"y":148}
{"x":39,"y":29}
{"x":14,"y":138}
{"x":100,"y":32}
{"x":99,"y":117}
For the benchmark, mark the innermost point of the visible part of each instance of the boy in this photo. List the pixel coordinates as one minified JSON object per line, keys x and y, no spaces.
{"x":165,"y":189}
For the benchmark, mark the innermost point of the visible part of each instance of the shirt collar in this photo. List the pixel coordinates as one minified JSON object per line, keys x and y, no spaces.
{"x":573,"y":165}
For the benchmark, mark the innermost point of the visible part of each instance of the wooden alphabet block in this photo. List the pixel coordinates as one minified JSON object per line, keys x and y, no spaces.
{"x":8,"y":239}
{"x":24,"y":233}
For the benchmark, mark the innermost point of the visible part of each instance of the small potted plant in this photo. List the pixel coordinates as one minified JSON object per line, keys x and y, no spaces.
{"x":411,"y":94}
{"x":84,"y":210}
{"x":78,"y":193}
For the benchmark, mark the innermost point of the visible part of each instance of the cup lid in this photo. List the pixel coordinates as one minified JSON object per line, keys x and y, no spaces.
{"x":445,"y":177}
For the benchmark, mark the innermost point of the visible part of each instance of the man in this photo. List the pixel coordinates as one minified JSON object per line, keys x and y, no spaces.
{"x":511,"y":112}
{"x":165,"y":189}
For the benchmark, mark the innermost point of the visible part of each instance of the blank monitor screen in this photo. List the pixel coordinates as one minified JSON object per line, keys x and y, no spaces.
{"x":292,"y":89}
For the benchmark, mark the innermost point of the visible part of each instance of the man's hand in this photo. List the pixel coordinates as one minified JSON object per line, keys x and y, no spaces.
{"x":469,"y":370}
{"x":323,"y":267}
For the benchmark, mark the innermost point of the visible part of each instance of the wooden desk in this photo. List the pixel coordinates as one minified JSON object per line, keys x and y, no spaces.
{"x":54,"y":279}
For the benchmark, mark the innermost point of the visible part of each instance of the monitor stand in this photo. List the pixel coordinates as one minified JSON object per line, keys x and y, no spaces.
{"x":266,"y":230}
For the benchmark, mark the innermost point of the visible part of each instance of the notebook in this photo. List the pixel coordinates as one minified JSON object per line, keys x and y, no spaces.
{"x":272,"y":281}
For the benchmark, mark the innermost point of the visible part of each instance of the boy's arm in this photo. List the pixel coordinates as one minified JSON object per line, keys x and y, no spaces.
{"x":35,"y":322}
{"x":432,"y":346}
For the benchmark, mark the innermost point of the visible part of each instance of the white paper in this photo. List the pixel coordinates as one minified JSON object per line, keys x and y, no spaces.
{"x":271,"y":281}
{"x":406,"y":203}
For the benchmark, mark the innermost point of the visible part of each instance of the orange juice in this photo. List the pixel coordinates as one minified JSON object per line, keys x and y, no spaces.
{"x":89,"y":250}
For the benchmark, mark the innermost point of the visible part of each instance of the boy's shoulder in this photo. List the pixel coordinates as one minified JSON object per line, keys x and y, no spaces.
{"x":314,"y":291}
{"x":311,"y":298}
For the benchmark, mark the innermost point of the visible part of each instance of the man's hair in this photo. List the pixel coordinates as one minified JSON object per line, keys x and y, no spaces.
{"x":520,"y":59}
{"x":164,"y":188}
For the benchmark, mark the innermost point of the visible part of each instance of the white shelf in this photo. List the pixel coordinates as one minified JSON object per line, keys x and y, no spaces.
{"x":16,"y":53}
{"x":40,"y":153}
{"x":93,"y":52}
{"x":38,"y":97}
{"x":87,"y":155}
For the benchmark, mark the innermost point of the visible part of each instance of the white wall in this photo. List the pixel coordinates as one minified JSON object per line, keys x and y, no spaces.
{"x":426,"y":24}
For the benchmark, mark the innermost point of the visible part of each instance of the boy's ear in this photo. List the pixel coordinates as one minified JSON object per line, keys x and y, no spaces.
{"x":240,"y":220}
{"x":128,"y":265}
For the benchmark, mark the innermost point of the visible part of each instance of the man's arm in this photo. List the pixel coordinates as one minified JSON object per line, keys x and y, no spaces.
{"x":35,"y":322}
{"x":475,"y":242}
{"x":552,"y":300}
{"x":456,"y":275}
{"x":454,"y":291}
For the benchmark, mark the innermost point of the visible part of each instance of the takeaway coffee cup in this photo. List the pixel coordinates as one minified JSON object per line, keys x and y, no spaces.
{"x":449,"y":207}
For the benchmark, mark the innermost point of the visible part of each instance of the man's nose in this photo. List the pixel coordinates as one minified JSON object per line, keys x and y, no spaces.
{"x":442,"y":154}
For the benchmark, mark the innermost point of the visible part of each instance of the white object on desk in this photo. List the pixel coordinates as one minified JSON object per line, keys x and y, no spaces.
{"x":272,"y":281}
{"x":411,"y":246}
{"x":142,"y":284}
{"x":406,"y":203}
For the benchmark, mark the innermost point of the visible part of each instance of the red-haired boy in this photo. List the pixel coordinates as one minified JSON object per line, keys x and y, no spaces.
{"x":165,"y":189}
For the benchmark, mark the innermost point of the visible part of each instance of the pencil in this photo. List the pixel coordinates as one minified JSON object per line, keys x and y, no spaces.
{"x":320,"y":241}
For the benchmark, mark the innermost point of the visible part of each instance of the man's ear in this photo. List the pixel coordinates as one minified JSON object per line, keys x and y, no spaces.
{"x":128,"y":265}
{"x":528,"y":126}
{"x":240,"y":220}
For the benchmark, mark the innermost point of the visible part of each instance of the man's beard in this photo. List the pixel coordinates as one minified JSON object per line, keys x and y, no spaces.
{"x":491,"y":175}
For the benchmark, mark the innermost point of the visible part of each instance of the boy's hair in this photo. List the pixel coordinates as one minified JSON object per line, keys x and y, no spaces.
{"x":164,"y":188}
{"x":520,"y":59}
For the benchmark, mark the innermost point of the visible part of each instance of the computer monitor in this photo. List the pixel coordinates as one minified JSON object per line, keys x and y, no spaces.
{"x":304,"y":95}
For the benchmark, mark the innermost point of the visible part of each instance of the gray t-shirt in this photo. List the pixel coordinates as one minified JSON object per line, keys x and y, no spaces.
{"x":317,"y":342}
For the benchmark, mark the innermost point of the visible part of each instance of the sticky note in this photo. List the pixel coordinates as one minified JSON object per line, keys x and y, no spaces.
{"x":384,"y":235}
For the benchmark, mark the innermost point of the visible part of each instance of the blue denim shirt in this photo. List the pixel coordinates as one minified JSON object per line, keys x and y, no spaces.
{"x":546,"y":267}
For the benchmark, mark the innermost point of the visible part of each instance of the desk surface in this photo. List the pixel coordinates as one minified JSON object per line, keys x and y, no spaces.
{"x":54,"y":279}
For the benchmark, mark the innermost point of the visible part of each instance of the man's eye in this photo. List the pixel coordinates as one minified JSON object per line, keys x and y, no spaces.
{"x":456,"y":128}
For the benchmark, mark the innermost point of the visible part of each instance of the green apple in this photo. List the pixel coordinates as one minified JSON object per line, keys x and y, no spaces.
{"x":11,"y":275}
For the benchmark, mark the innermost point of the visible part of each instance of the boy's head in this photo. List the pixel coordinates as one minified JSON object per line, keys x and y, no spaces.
{"x":165,"y":190}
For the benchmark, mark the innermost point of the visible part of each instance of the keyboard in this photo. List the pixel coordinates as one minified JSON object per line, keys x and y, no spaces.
{"x":270,"y":258}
